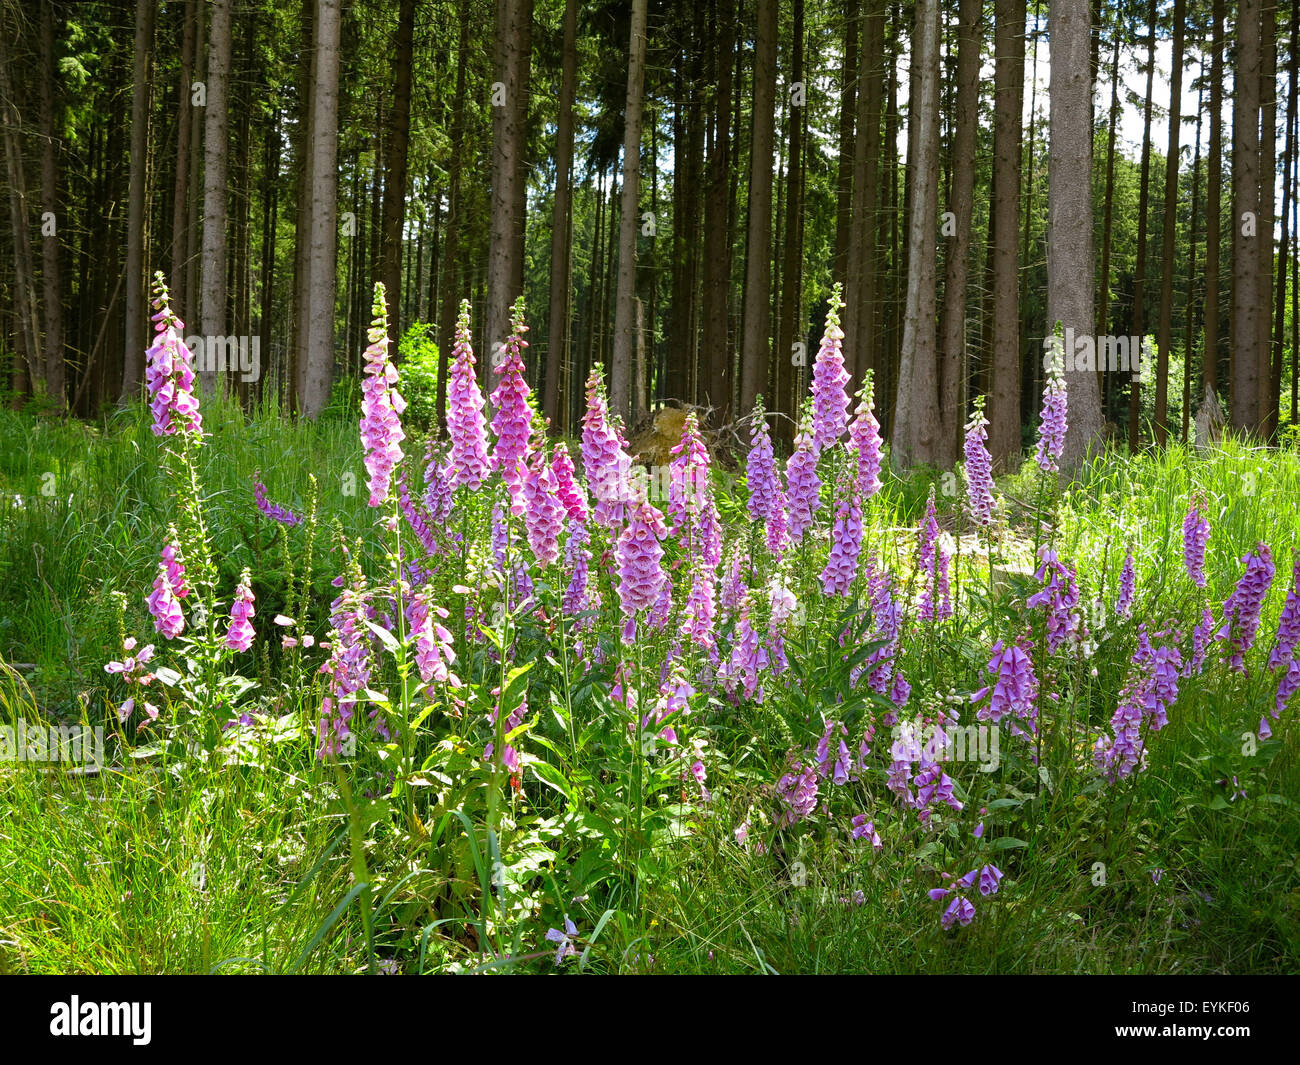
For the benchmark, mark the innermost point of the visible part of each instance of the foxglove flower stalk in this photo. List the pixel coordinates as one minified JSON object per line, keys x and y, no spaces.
{"x":132,"y":671}
{"x":1059,"y":595}
{"x":697,"y":620}
{"x":927,"y":559}
{"x":1196,"y":534}
{"x":543,"y":513}
{"x":348,"y":666}
{"x":1051,"y":426}
{"x":239,"y":636}
{"x":169,"y":373}
{"x":1241,"y":610}
{"x":1201,"y":637}
{"x":1015,"y":692}
{"x":164,"y":605}
{"x":748,"y":655}
{"x":274,"y":511}
{"x":942,"y":589}
{"x":171,"y":559}
{"x":578,"y":597}
{"x":803,"y":487}
{"x":513,"y":422}
{"x":466,"y":425}
{"x":1150,"y":690}
{"x":572,"y":495}
{"x":979,"y":469}
{"x":1127,"y":582}
{"x":733,"y":582}
{"x":434,"y":654}
{"x":846,"y":543}
{"x":797,"y":793}
{"x":760,"y":468}
{"x":605,"y":462}
{"x":865,"y":441}
{"x":381,"y":407}
{"x":1288,"y":625}
{"x":639,"y":556}
{"x":439,"y":486}
{"x":691,"y":508}
{"x":414,"y":517}
{"x":829,"y":378}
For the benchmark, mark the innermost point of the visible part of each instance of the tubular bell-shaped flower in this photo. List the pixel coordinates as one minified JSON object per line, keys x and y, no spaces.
{"x":466,"y":424}
{"x":381,"y":406}
{"x":829,"y":379}
{"x":169,"y":373}
{"x":513,"y":422}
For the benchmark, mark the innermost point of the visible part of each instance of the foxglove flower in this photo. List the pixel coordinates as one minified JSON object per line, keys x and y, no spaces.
{"x":572,"y":495}
{"x":979,"y":469}
{"x":1015,"y":692}
{"x":381,"y":407}
{"x":865,"y":441}
{"x":927,"y":558}
{"x":605,"y":462}
{"x":239,"y":636}
{"x":543,"y":511}
{"x":639,"y":556}
{"x":1288,"y":626}
{"x":1051,"y":427}
{"x":169,"y":372}
{"x":691,"y":508}
{"x":803,"y":488}
{"x":865,"y":829}
{"x":274,"y":511}
{"x":164,"y":605}
{"x":1059,"y":595}
{"x":846,"y":543}
{"x":513,"y":422}
{"x":829,"y":379}
{"x":466,"y":425}
{"x":1196,"y":534}
{"x":1242,"y":608}
{"x":1127,"y":581}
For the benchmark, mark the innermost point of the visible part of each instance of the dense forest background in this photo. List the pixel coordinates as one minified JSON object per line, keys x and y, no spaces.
{"x":674,"y":188}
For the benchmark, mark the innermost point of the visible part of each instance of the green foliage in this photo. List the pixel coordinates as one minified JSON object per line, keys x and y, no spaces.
{"x":418,"y":369}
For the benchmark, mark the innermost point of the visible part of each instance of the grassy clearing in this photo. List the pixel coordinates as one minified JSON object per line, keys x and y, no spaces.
{"x":249,"y":859}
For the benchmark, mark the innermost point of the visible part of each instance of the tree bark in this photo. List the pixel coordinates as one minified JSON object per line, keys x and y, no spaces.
{"x":1008,"y":101}
{"x":136,"y":219}
{"x":1244,"y":408}
{"x":51,"y":276}
{"x":557,"y":354}
{"x":1069,"y":214}
{"x":957,"y":268}
{"x":395,"y":159}
{"x":625,"y":331}
{"x":319,"y":375}
{"x":917,"y":431}
{"x":1164,"y":336}
{"x":756,"y":338}
{"x":216,"y":152}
